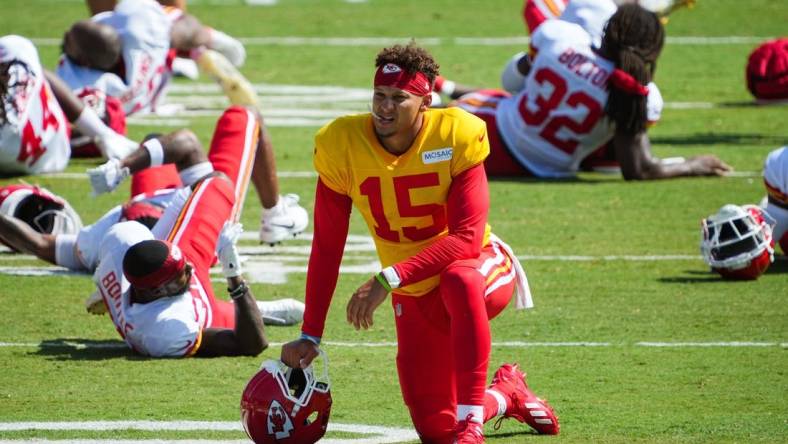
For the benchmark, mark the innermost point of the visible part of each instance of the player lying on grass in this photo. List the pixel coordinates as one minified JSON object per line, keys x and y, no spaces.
{"x":156,"y":285}
{"x":128,"y":53}
{"x":35,"y":110}
{"x":100,"y":46}
{"x":574,"y":99}
{"x":417,"y":177}
{"x":151,"y":195}
{"x":187,"y":28}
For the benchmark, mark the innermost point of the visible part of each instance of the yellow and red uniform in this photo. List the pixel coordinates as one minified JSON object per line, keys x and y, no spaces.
{"x":427,"y":212}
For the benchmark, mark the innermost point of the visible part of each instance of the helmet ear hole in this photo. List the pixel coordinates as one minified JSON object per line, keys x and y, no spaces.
{"x":312,"y":418}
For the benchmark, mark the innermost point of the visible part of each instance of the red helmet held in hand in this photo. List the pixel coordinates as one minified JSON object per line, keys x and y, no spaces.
{"x":285,"y":405}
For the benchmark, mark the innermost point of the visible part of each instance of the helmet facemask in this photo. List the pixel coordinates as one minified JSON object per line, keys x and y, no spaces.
{"x":736,"y":236}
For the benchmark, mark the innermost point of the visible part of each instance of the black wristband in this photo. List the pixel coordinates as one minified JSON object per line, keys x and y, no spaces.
{"x":239,"y":291}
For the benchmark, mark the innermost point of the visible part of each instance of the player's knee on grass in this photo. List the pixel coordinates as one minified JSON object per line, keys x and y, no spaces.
{"x":434,"y":428}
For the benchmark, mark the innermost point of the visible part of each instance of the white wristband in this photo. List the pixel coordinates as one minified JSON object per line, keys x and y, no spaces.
{"x":155,"y":151}
{"x":392,"y":277}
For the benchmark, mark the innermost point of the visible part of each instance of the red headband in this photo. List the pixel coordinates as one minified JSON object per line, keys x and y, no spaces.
{"x":172,"y":265}
{"x":391,"y":74}
{"x":625,"y":82}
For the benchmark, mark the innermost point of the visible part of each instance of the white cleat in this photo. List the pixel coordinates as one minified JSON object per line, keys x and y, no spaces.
{"x":283,"y":221}
{"x":281,"y":311}
{"x":94,"y":304}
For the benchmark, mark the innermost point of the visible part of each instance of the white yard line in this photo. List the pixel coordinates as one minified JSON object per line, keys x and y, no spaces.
{"x":370,"y":434}
{"x":502,"y":344}
{"x":441,"y":41}
{"x":312,"y":174}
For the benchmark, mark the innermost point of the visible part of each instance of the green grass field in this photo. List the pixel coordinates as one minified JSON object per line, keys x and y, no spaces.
{"x":614,"y":266}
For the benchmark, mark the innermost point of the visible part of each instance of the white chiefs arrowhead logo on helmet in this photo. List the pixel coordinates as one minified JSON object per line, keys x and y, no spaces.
{"x":279,"y":423}
{"x":391,"y":68}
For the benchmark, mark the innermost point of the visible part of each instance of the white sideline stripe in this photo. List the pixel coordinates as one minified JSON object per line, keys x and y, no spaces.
{"x":312,"y":174}
{"x":381,"y":434}
{"x":710,"y":344}
{"x":382,"y":344}
{"x":84,"y":176}
{"x":436,"y":41}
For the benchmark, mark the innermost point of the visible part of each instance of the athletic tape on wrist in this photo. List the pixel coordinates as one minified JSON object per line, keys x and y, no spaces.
{"x":155,"y":151}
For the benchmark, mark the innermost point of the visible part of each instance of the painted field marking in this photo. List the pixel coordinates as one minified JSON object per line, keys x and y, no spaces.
{"x":388,"y":344}
{"x":371,"y":434}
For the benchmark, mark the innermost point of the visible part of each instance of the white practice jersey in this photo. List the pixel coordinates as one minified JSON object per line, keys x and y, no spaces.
{"x":775,"y":177}
{"x":144,"y":30}
{"x":84,"y":246}
{"x":170,"y":326}
{"x":34,"y":136}
{"x":559,"y":117}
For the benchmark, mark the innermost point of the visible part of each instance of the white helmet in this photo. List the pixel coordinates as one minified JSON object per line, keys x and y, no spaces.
{"x":737,"y":241}
{"x":42,"y":210}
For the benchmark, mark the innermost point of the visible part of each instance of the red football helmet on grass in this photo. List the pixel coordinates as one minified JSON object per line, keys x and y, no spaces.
{"x":767,"y":70}
{"x":285,"y":405}
{"x":737,"y":242}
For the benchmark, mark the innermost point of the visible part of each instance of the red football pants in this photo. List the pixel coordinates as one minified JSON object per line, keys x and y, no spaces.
{"x":483,"y":104}
{"x":444,"y":340}
{"x":217,"y":200}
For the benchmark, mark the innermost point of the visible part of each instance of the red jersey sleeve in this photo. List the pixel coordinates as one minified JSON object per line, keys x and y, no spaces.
{"x":332,"y":220}
{"x":467,"y":205}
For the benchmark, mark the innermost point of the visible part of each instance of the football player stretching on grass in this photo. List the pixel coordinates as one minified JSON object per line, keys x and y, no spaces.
{"x":573,"y":99}
{"x":35,"y":110}
{"x":417,"y":177}
{"x":156,"y":285}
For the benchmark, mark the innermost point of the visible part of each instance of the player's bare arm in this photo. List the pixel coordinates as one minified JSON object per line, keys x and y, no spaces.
{"x":21,"y":237}
{"x":248,"y":336}
{"x":633,"y":151}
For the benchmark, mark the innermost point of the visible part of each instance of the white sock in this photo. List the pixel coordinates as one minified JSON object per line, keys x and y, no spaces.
{"x":477,"y":412}
{"x":91,"y":125}
{"x":276,"y":209}
{"x":501,"y":401}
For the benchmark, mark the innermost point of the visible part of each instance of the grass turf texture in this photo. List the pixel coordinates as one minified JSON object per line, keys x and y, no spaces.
{"x":622,"y":392}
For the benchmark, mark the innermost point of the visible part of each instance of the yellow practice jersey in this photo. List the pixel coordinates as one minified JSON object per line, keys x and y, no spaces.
{"x":402,"y":198}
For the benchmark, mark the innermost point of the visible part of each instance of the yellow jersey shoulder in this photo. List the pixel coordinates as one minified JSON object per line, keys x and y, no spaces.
{"x":333,"y":144}
{"x":465,"y":133}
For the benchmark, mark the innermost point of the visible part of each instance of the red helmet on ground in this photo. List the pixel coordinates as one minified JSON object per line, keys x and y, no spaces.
{"x":767,"y":70}
{"x":737,"y":242}
{"x":285,"y":405}
{"x":44,"y":211}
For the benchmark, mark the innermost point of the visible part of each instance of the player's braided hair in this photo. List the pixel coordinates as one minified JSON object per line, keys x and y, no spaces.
{"x":7,"y":88}
{"x":411,"y":58}
{"x":633,"y":40}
